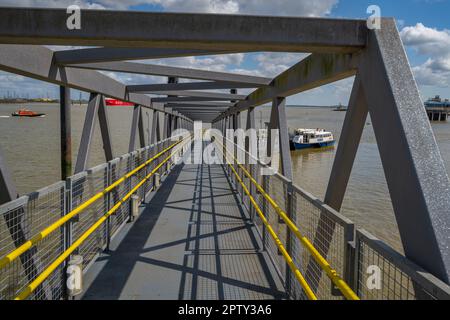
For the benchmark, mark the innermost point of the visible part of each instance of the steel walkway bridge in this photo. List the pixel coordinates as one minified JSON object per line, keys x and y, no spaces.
{"x":155,"y":224}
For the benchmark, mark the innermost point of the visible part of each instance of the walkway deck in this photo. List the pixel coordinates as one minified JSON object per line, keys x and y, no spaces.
{"x":192,"y":241}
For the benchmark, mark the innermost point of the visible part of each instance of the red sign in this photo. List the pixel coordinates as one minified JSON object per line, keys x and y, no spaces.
{"x":118,"y":103}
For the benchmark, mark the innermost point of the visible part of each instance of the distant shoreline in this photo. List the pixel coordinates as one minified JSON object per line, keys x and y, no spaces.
{"x":77,"y":102}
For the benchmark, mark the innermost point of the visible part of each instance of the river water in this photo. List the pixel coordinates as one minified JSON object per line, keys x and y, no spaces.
{"x":31,"y":147}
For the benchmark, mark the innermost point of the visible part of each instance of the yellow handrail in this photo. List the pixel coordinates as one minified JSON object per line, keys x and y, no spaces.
{"x":323,"y":263}
{"x":52,"y":267}
{"x":13,"y":255}
{"x":298,"y":275}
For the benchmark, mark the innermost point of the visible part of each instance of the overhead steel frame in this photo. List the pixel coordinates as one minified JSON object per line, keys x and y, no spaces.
{"x":415,"y":173}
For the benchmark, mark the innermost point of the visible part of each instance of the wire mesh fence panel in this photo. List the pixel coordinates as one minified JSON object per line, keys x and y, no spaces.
{"x":118,"y":168}
{"x":147,"y":152}
{"x":83,"y":187}
{"x":259,"y":199}
{"x":327,"y":232}
{"x":21,"y":220}
{"x":136,"y":161}
{"x":277,"y":190}
{"x":384,"y":274}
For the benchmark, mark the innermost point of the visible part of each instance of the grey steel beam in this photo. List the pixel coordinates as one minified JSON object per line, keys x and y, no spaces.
{"x":217,"y":110}
{"x":204,"y":85}
{"x":213,"y":96}
{"x":8,"y":190}
{"x":182,"y":31}
{"x":251,"y":149}
{"x":141,"y":130}
{"x":37,"y":62}
{"x":415,"y":172}
{"x":105,"y":130}
{"x":88,"y":133}
{"x":190,"y":113}
{"x":350,"y":138}
{"x":201,"y":111}
{"x":65,"y":133}
{"x":182,"y":99}
{"x":279,"y":104}
{"x":206,"y":104}
{"x":166,"y":125}
{"x":92,"y":55}
{"x":158,"y":70}
{"x":313,"y":71}
{"x":150,"y":115}
{"x":156,"y":131}
{"x":134,"y":127}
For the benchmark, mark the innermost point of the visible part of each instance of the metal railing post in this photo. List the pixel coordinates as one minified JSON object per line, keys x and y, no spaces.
{"x":350,"y":255}
{"x":67,"y":233}
{"x":108,"y":207}
{"x":265,"y":206}
{"x":289,"y":236}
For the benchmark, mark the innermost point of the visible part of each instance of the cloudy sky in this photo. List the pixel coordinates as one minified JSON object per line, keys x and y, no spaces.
{"x":424,"y":26}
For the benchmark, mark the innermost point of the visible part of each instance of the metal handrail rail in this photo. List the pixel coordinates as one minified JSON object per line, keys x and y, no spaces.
{"x":58,"y":261}
{"x":323,"y":263}
{"x":13,"y":255}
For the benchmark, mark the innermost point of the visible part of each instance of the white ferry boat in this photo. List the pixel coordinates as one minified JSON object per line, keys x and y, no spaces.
{"x":312,"y":138}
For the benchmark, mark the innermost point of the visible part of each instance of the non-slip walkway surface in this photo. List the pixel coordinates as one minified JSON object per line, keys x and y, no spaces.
{"x":192,"y":241}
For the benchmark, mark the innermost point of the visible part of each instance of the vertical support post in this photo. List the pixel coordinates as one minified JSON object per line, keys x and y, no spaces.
{"x":134,"y":127}
{"x":141,"y":129}
{"x":224,"y":138}
{"x":265,"y":184}
{"x":249,"y":148}
{"x":104,"y":130}
{"x":165,"y":126}
{"x":8,"y":190}
{"x":279,"y":104}
{"x":88,"y":133}
{"x":156,"y":131}
{"x":65,"y":132}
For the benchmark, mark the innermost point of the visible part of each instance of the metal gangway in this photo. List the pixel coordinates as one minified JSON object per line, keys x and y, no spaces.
{"x":204,"y":232}
{"x":145,"y":225}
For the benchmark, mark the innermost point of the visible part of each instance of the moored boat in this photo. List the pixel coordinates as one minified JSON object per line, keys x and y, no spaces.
{"x":27,"y":113}
{"x":312,"y":138}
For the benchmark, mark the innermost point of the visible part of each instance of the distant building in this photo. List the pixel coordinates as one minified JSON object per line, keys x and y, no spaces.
{"x":437,"y":109}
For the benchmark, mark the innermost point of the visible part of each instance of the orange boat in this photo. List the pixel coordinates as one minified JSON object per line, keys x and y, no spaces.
{"x":27,"y":113}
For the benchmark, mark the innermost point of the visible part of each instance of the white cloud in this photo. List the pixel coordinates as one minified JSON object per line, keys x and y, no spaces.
{"x":52,"y":3}
{"x":435,"y":45}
